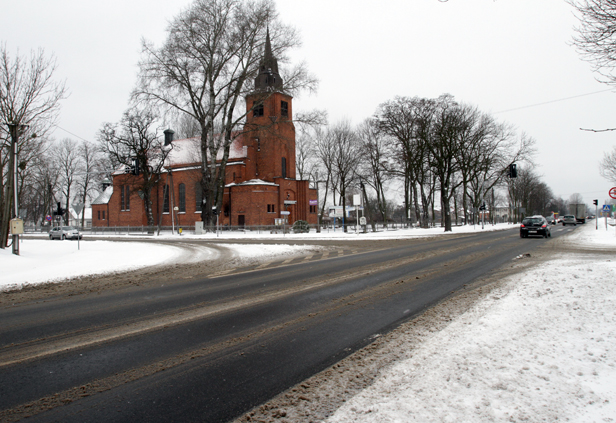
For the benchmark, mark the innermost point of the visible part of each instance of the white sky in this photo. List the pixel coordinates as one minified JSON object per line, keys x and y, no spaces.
{"x":498,"y":55}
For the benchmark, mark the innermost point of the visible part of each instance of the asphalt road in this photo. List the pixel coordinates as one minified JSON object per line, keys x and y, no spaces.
{"x":210,"y":348}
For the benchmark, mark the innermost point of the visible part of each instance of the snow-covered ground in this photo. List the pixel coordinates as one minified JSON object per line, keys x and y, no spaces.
{"x":542,"y":348}
{"x":539,"y":348}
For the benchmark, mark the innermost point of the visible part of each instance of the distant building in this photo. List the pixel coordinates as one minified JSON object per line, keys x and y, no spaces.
{"x":260,"y":180}
{"x":74,"y":218}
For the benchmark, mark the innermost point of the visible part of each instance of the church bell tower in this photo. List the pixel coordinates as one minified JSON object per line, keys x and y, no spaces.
{"x":270,"y":136}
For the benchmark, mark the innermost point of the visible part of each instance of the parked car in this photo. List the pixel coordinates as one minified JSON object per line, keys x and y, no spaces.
{"x":535,"y":226}
{"x":64,"y":232}
{"x":569,"y":219}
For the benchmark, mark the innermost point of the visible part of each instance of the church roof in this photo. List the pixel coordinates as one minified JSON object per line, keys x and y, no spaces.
{"x":188,"y":151}
{"x":105,"y":196}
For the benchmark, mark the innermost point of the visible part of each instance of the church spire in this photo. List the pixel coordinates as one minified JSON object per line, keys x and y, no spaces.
{"x":268,"y":78}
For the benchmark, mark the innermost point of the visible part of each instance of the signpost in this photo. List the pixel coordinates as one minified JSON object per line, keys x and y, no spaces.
{"x":607,"y":208}
{"x":612,"y":195}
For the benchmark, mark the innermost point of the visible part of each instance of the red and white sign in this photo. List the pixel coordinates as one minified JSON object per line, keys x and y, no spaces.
{"x":613,"y":193}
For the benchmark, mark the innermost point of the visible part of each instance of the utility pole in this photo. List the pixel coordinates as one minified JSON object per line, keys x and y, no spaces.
{"x":14,"y":130}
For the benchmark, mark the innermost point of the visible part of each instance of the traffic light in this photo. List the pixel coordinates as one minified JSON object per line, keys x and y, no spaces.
{"x":595,"y":202}
{"x":513,"y":171}
{"x":60,"y":211}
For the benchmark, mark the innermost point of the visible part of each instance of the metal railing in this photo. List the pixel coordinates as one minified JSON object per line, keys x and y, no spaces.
{"x":247,"y":229}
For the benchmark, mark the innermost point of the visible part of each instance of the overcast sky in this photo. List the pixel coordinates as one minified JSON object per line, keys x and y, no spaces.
{"x":503,"y":56}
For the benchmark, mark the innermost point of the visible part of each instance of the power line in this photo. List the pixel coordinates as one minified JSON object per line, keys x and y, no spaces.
{"x":69,"y":132}
{"x":554,"y":101}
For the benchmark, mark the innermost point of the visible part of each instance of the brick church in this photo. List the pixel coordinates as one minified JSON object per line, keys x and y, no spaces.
{"x":260,"y":186}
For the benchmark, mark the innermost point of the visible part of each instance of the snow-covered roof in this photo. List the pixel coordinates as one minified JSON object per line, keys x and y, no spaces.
{"x":87,"y":211}
{"x":251,"y":182}
{"x":105,"y":196}
{"x":188,"y":151}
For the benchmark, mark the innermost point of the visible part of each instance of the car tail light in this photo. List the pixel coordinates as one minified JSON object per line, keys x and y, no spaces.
{"x":522,"y":225}
{"x":543,"y":226}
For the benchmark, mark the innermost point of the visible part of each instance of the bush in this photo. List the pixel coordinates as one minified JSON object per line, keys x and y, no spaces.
{"x":301,"y":227}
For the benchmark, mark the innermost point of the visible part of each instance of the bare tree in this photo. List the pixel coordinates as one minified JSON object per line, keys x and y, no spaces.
{"x":324,"y":150}
{"x":399,"y":119}
{"x":576,"y":198}
{"x":376,"y":163}
{"x":596,"y":35}
{"x":68,"y":162}
{"x":596,"y":38}
{"x":28,"y":97}
{"x":346,"y":157}
{"x":204,"y":70}
{"x":529,"y":195}
{"x":33,"y":163}
{"x":91,"y":171}
{"x":486,"y":151}
{"x":450,"y":124}
{"x":607,"y":166}
{"x":187,"y":127}
{"x":409,"y":122}
{"x":306,"y":158}
{"x":137,"y":138}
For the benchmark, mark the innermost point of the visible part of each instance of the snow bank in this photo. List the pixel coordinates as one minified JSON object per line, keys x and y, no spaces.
{"x":539,"y":349}
{"x":47,"y":261}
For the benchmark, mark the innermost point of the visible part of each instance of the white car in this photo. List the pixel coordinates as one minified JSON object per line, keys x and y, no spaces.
{"x":569,"y":219}
{"x":64,"y":232}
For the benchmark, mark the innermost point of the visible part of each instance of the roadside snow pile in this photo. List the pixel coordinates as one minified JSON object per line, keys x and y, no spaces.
{"x":538,"y":349}
{"x":265,"y":250}
{"x":595,"y":234}
{"x":46,"y":261}
{"x":251,"y":254}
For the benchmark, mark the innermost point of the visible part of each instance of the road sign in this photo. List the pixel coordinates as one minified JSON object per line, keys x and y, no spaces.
{"x":613,"y":193}
{"x":48,"y":218}
{"x":607,"y":208}
{"x":285,"y":213}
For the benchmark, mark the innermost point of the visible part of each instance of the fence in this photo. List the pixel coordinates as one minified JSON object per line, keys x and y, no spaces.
{"x":153,"y":230}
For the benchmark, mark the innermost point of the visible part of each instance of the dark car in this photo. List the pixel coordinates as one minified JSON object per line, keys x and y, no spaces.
{"x":535,"y":226}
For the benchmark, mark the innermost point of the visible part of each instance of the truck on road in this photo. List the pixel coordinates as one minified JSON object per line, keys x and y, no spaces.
{"x":579,"y":211}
